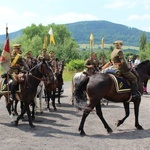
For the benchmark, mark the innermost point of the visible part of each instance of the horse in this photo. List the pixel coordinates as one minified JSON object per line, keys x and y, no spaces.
{"x":102,"y":85}
{"x":39,"y":94}
{"x":51,"y":87}
{"x":28,"y":89}
{"x":59,"y":77}
{"x":144,"y":76}
{"x":76,"y":79}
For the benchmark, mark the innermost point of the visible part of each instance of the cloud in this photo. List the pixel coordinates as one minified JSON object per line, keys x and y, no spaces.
{"x":139,"y":17}
{"x":117,"y":4}
{"x":71,"y":17}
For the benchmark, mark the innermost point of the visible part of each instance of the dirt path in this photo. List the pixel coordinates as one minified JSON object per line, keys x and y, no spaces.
{"x":59,"y":130}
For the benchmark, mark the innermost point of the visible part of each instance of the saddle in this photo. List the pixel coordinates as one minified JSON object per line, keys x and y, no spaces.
{"x":122,"y":85}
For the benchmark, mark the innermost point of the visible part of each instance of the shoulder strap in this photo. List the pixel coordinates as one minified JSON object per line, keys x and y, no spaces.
{"x":15,"y":60}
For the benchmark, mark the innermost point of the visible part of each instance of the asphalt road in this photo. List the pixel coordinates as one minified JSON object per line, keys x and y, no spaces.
{"x":58,"y":130}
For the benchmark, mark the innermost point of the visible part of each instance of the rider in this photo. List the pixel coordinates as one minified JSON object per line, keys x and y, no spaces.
{"x":91,"y":64}
{"x":43,"y":55}
{"x":30,"y":60}
{"x":17,"y":63}
{"x":121,"y":64}
{"x":54,"y":62}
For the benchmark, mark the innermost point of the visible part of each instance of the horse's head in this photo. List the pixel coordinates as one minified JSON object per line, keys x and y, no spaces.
{"x":61,"y":65}
{"x":43,"y":69}
{"x":144,"y":68}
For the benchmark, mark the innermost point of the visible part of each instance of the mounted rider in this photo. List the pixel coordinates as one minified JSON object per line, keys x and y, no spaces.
{"x":43,"y":55}
{"x":91,"y":64}
{"x":54,"y":62}
{"x":17,"y":65}
{"x":120,"y":63}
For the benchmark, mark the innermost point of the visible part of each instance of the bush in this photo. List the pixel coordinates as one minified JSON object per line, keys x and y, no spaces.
{"x":76,"y":64}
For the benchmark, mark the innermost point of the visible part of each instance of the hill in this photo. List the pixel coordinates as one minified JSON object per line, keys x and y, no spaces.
{"x":110,"y":31}
{"x":80,"y":31}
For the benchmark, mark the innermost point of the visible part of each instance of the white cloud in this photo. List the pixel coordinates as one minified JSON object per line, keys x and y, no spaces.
{"x":70,"y":18}
{"x":29,"y":14}
{"x":139,"y":17}
{"x":117,"y":4}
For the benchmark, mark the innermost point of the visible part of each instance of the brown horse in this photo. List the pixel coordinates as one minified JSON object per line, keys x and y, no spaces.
{"x":29,"y":87}
{"x":56,"y":84}
{"x":102,"y":85}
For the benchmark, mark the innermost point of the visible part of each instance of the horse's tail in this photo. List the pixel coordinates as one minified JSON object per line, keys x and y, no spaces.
{"x":80,"y":91}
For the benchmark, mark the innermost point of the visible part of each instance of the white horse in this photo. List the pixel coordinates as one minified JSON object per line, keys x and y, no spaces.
{"x":76,"y":79}
{"x":39,"y":93}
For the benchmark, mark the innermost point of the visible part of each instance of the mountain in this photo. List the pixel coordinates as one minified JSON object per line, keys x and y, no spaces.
{"x":80,"y":31}
{"x":110,"y":31}
{"x":12,"y":35}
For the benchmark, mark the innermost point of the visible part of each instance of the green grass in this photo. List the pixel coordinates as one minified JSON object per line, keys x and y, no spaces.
{"x":67,"y":75}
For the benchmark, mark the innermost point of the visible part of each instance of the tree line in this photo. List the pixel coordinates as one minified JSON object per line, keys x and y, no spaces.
{"x":66,"y":48}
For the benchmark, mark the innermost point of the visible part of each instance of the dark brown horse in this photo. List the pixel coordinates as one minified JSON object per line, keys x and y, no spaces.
{"x":51,"y":87}
{"x":102,"y":85}
{"x":145,"y":76}
{"x":29,"y":87}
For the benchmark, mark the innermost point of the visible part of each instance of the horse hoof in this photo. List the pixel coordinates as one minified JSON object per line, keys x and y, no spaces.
{"x":82,"y":133}
{"x":109,"y":130}
{"x":16,"y":123}
{"x":32,"y":126}
{"x":139,"y":127}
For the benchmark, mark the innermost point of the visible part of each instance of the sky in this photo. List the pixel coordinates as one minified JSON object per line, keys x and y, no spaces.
{"x":19,"y":14}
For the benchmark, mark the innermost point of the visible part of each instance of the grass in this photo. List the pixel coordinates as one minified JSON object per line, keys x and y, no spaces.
{"x":67,"y":75}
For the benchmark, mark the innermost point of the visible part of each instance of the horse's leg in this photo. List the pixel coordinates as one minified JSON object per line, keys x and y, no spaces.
{"x":127,"y":113}
{"x":48,"y":98}
{"x":100,"y":115}
{"x":33,"y":111}
{"x":40,"y":102}
{"x":136,"y":112}
{"x":145,"y":86}
{"x":21,"y":115}
{"x":8,"y":106}
{"x":59,"y":91}
{"x":53,"y":99}
{"x":84,"y":116}
{"x":15,"y":109}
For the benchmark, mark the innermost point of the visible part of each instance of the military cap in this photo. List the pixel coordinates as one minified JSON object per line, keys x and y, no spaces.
{"x":28,"y":52}
{"x":44,"y":49}
{"x":118,"y":42}
{"x":17,"y":46}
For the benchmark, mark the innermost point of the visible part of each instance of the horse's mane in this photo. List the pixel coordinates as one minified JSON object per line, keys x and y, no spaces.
{"x":143,"y":63}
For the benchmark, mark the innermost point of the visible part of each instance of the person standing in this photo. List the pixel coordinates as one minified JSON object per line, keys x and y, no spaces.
{"x":137,"y":61}
{"x":121,"y":64}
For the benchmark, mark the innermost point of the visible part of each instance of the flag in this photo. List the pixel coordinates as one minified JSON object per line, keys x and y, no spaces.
{"x":52,"y":40}
{"x":5,"y":57}
{"x":45,"y":42}
{"x":102,"y":42}
{"x":91,"y":40}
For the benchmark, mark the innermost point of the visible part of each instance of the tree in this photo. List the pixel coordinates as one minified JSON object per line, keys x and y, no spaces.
{"x":143,"y":40}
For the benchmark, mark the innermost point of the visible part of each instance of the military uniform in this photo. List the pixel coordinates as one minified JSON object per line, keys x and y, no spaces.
{"x":90,"y":70}
{"x":30,"y":60}
{"x":121,"y":64}
{"x":17,"y":66}
{"x":43,"y":56}
{"x":54,"y":62}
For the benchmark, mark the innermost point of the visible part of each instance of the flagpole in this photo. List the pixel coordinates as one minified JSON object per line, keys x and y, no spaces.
{"x":7,"y":72}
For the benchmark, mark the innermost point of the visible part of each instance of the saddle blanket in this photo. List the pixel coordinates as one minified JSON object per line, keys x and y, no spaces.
{"x":121,"y":84}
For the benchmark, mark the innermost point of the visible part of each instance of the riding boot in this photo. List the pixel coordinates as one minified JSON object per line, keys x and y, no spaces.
{"x":13,"y":90}
{"x":134,"y":90}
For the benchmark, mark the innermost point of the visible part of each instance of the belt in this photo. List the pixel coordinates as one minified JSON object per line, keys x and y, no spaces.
{"x":117,"y":63}
{"x":16,"y":65}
